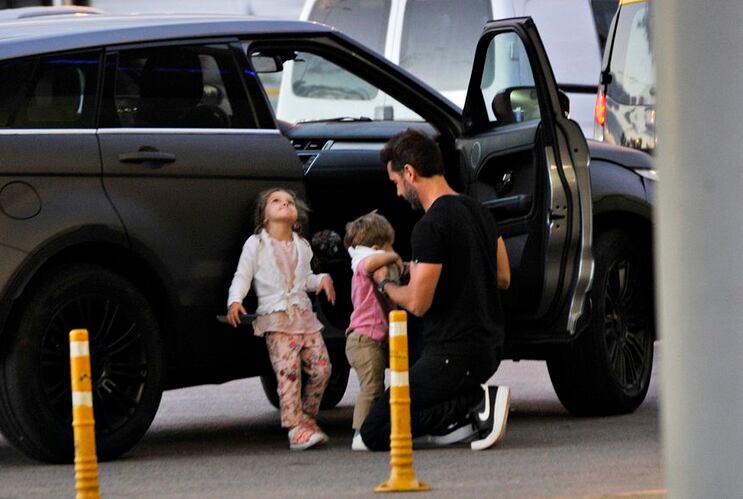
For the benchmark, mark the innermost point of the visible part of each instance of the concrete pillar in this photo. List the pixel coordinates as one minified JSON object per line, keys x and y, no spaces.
{"x":699,"y":243}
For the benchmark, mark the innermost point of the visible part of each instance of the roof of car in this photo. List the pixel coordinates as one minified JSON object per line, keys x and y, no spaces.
{"x":57,"y":33}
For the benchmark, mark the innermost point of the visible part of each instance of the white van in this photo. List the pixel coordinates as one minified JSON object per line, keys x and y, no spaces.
{"x":435,"y":40}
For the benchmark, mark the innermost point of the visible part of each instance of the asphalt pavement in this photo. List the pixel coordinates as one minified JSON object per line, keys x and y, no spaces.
{"x":224,"y":441}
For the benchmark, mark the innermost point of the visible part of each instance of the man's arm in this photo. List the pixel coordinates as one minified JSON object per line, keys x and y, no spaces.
{"x":504,"y":266}
{"x":416,"y":297}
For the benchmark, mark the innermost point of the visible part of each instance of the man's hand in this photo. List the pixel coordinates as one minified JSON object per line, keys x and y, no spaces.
{"x":326,"y":285}
{"x":233,"y":314}
{"x":380,"y":274}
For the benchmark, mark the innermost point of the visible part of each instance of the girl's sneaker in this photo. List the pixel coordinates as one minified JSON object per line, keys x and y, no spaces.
{"x":303,"y":437}
{"x":312,"y":424}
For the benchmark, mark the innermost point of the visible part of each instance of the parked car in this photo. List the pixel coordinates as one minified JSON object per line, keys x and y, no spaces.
{"x":435,"y":40}
{"x":625,"y":104}
{"x":132,"y":150}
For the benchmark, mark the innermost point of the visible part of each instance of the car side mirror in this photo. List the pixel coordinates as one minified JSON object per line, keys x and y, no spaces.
{"x":516,"y":104}
{"x":267,"y":63}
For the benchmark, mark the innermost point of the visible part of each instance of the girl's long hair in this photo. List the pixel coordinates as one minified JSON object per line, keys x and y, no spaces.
{"x":260,"y":209}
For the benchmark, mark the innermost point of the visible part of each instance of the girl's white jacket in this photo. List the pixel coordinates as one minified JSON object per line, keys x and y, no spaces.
{"x":257,"y":265}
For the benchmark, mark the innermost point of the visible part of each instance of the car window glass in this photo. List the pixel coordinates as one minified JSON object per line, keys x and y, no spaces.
{"x":314,"y":76}
{"x":177,"y":87}
{"x":439,"y":41}
{"x":603,"y":12}
{"x":312,"y":88}
{"x":632,"y":62}
{"x":364,"y":20}
{"x":507,"y":83}
{"x":14,"y":76}
{"x":58,"y":93}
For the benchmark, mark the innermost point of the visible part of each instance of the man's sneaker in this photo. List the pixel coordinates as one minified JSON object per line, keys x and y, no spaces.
{"x":491,"y":416}
{"x":358,"y":444}
{"x":302,"y":437}
{"x":455,"y":432}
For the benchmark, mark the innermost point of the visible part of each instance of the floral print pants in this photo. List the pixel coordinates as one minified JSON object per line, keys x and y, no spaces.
{"x":290,"y":355}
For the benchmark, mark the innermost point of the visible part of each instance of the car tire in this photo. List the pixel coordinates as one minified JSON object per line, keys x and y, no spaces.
{"x":607,"y":369}
{"x":336,"y":386}
{"x":126,"y":363}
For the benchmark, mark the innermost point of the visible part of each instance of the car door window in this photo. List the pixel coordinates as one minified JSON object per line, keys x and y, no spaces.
{"x":633,"y":63}
{"x":507,"y":82}
{"x":50,"y":92}
{"x":195,"y":86}
{"x":312,"y":88}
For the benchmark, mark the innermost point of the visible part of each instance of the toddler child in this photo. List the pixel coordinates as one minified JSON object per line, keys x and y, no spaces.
{"x":369,"y":242}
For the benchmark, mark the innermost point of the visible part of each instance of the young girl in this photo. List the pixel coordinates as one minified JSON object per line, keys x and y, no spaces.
{"x":369,"y":242}
{"x":276,"y":261}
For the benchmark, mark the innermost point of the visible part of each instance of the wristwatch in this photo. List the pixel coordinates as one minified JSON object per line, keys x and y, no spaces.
{"x":383,"y":282}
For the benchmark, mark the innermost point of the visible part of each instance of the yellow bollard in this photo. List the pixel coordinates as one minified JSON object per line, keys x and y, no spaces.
{"x":83,"y":424}
{"x":402,"y":476}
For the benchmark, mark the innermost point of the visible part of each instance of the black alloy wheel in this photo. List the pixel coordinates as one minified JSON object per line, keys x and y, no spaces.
{"x":126,"y":364}
{"x":625,"y":325}
{"x":607,"y":369}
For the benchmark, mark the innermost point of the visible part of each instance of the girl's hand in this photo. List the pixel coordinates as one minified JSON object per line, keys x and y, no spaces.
{"x":326,"y":284}
{"x":233,"y":313}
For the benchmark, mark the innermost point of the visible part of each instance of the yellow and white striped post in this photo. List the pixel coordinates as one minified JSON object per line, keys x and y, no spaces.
{"x":402,"y":476}
{"x":83,"y":424}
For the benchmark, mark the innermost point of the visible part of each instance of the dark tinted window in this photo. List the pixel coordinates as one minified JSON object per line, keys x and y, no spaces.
{"x":439,"y":40}
{"x":364,"y":20}
{"x":176,"y":87}
{"x":632,"y":61}
{"x":50,"y":92}
{"x":14,"y":76}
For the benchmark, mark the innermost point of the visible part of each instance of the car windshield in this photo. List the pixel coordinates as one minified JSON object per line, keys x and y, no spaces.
{"x":439,"y":41}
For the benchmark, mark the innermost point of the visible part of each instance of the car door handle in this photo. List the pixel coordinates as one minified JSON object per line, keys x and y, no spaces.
{"x":147,"y":156}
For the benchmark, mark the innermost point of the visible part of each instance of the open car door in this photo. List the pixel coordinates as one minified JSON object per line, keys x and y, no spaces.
{"x":530,"y":167}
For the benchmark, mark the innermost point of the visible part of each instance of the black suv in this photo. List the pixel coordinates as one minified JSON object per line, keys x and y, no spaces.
{"x":132,"y":149}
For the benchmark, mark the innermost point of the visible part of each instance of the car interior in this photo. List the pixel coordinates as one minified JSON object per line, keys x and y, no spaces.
{"x":345,"y":179}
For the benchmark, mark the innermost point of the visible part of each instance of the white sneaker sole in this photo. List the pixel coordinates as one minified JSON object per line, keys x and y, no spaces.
{"x":357,"y":444}
{"x":500,"y":417}
{"x":458,"y":435}
{"x":315,"y":439}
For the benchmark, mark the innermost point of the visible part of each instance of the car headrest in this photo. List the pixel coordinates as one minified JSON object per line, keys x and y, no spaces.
{"x":171,"y":84}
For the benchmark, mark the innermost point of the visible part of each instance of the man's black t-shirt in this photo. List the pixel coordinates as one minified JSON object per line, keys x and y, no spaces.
{"x":466,"y":316}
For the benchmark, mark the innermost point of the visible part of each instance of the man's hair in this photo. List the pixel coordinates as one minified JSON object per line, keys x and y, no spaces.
{"x":369,"y":230}
{"x":414,"y":148}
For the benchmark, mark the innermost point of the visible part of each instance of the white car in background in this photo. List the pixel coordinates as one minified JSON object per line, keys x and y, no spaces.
{"x":435,"y":40}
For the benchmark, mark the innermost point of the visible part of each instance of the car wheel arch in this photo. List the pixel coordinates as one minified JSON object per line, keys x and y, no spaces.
{"x":101,"y":246}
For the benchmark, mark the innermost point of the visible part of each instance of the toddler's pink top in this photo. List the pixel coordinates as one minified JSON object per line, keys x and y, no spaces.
{"x":295,"y":320}
{"x":368,"y":316}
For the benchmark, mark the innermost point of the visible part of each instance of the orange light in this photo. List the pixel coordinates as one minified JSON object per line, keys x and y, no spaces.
{"x":599,"y":114}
